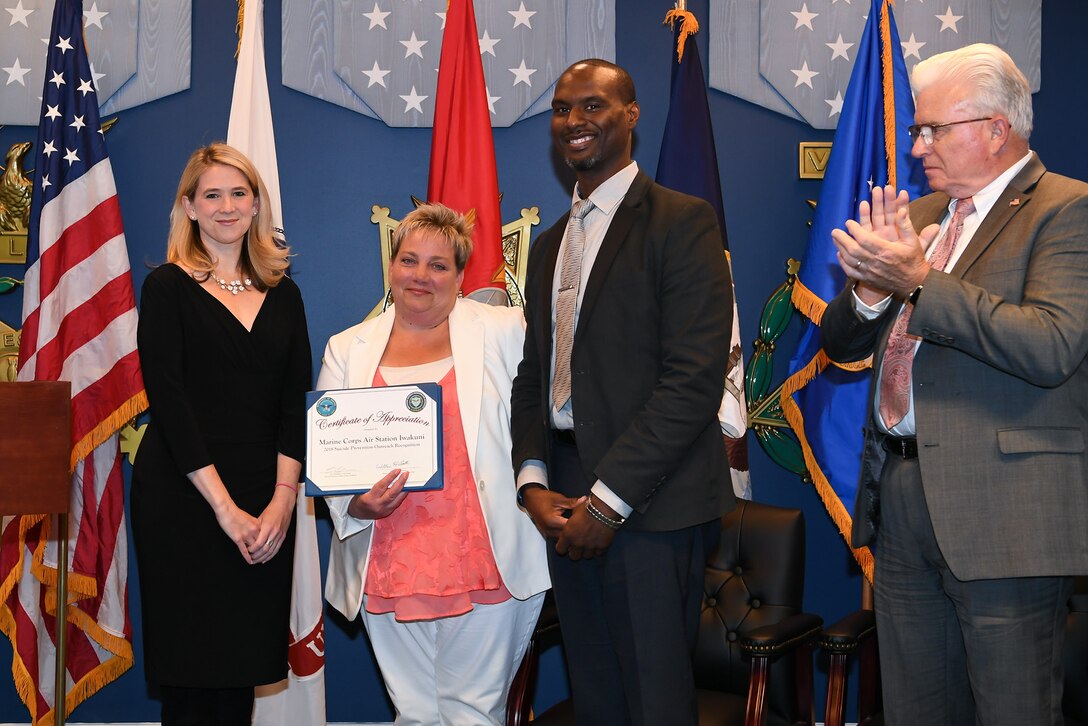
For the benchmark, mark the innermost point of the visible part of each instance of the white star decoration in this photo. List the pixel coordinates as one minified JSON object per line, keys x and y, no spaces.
{"x":443,"y":16}
{"x":414,"y":101}
{"x":839,"y":48}
{"x":804,"y":75}
{"x":57,"y":79}
{"x":487,"y":44}
{"x":85,"y":87}
{"x":521,"y":16}
{"x":413,"y":46}
{"x":71,"y":156}
{"x":96,"y":76}
{"x":377,"y":17}
{"x":911,"y":47}
{"x":491,"y":99}
{"x":804,"y":17}
{"x":64,"y":45}
{"x":78,"y":124}
{"x":835,"y":104}
{"x":45,"y":181}
{"x":52,"y":112}
{"x":948,"y":20}
{"x":376,"y":75}
{"x":94,"y":16}
{"x":15,"y":73}
{"x":19,"y":14}
{"x":521,"y":74}
{"x":49,"y":149}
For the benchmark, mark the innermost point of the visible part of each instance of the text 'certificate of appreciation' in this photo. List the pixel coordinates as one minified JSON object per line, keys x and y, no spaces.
{"x":356,"y":436}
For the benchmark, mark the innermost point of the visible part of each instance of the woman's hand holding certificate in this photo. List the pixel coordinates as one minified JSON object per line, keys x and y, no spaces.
{"x":382,"y":499}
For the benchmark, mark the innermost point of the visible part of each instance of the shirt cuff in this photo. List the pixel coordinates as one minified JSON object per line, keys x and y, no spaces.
{"x":533,"y":471}
{"x":870,"y":312}
{"x":610,"y":498}
{"x":343,"y":523}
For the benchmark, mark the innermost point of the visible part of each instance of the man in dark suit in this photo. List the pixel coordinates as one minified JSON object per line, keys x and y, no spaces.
{"x":974,"y":486}
{"x":615,"y":410}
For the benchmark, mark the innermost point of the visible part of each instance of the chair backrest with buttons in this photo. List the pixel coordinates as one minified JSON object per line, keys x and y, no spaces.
{"x":756,"y":577}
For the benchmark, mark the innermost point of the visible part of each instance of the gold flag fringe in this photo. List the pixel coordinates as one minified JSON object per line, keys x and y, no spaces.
{"x":830,"y":498}
{"x":81,"y":587}
{"x":888,"y":83}
{"x":807,"y":302}
{"x":238,"y":26}
{"x":108,"y":427}
{"x":688,"y":26}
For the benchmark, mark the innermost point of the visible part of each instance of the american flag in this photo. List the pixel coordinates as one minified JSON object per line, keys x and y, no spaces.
{"x":79,"y":325}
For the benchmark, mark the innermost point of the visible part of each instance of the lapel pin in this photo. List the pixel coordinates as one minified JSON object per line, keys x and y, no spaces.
{"x":1015,"y":202}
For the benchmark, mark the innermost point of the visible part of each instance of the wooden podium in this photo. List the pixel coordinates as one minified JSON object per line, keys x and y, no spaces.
{"x":34,"y":454}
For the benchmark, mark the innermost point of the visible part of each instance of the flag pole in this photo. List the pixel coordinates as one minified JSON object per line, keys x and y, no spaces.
{"x":61,"y":685}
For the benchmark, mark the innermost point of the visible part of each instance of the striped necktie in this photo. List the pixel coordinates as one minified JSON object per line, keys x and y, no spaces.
{"x":569,"y":283}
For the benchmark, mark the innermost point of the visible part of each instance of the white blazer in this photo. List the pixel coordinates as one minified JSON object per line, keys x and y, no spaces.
{"x":487,"y":347}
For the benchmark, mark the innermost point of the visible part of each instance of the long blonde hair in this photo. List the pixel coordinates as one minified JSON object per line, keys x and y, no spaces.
{"x":262,"y":260}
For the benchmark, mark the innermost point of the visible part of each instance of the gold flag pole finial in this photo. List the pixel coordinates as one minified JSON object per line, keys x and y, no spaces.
{"x":688,"y":25}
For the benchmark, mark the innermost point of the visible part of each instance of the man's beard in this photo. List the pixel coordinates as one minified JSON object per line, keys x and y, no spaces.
{"x":583,"y":164}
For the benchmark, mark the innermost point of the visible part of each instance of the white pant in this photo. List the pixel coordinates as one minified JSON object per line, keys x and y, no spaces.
{"x":453,"y":671}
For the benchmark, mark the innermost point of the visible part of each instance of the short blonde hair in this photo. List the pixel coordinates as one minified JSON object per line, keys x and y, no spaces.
{"x":435,"y":217}
{"x":998,"y":85}
{"x":263,"y":259}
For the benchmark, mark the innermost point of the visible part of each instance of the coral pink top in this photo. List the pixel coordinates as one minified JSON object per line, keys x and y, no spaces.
{"x":431,"y":558}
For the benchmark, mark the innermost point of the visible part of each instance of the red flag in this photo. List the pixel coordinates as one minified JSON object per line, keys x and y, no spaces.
{"x":463,"y":172}
{"x":79,"y":325}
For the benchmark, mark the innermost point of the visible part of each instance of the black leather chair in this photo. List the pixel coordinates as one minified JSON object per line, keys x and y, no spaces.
{"x":856,"y":634}
{"x":1075,"y":656}
{"x":753,"y":658}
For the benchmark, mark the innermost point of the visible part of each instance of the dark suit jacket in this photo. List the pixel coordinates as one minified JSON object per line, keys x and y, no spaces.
{"x":1000,"y":385}
{"x":648,"y":364}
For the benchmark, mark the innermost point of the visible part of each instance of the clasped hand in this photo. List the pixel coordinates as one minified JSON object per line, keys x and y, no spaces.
{"x":881,"y":251}
{"x":579,"y":536}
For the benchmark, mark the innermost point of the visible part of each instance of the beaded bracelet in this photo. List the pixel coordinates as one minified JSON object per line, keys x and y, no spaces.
{"x":602,"y":518}
{"x":292,"y":487}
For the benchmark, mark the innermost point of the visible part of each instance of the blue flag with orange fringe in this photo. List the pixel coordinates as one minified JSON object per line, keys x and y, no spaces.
{"x":824,"y":402}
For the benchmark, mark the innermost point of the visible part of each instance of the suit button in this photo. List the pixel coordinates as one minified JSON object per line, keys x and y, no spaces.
{"x":481,"y":485}
{"x":755,"y":604}
{"x":731,"y":637}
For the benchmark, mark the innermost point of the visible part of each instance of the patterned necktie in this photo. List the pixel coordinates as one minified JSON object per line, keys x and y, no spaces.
{"x":569,"y":282}
{"x":895,"y":373}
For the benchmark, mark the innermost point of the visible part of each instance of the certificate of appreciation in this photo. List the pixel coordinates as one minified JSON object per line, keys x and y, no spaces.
{"x":356,"y":436}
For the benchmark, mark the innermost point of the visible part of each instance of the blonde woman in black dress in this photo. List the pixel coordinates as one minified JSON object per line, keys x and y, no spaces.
{"x":226,"y":360}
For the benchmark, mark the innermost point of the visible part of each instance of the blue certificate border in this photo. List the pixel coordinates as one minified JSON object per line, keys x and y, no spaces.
{"x":431,"y":390}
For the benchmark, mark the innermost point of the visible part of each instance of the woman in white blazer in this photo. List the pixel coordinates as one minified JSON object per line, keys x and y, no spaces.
{"x":450,"y":582}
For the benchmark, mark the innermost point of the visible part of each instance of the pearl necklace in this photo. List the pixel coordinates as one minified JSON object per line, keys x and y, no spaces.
{"x":233,"y":286}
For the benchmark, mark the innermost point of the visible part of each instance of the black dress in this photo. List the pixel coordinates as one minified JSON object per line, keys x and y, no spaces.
{"x":234,"y":398}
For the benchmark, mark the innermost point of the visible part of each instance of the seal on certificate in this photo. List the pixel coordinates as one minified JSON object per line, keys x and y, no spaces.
{"x":415,"y":402}
{"x":326,"y":406}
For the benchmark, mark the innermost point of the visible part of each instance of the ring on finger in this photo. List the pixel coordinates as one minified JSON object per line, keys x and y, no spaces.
{"x":858,"y":265}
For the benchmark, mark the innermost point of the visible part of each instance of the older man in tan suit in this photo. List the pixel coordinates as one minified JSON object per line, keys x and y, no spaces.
{"x":974,"y":486}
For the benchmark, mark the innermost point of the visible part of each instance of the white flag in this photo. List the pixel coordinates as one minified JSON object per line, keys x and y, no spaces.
{"x":300,"y":698}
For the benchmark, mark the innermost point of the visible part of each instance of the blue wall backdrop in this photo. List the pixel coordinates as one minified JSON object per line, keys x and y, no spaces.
{"x":334,"y":164}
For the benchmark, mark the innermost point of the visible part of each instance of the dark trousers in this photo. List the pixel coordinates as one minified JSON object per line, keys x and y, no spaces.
{"x":630,"y":618}
{"x":956,"y":652}
{"x":206,"y":706}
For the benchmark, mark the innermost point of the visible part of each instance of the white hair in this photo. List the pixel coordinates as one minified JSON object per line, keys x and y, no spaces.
{"x":999,"y":86}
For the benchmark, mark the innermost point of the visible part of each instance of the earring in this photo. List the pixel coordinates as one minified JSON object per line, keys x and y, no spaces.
{"x":192,"y":219}
{"x":254,"y":212}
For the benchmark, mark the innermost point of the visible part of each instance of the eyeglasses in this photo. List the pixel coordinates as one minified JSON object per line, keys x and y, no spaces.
{"x":926,"y":130}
